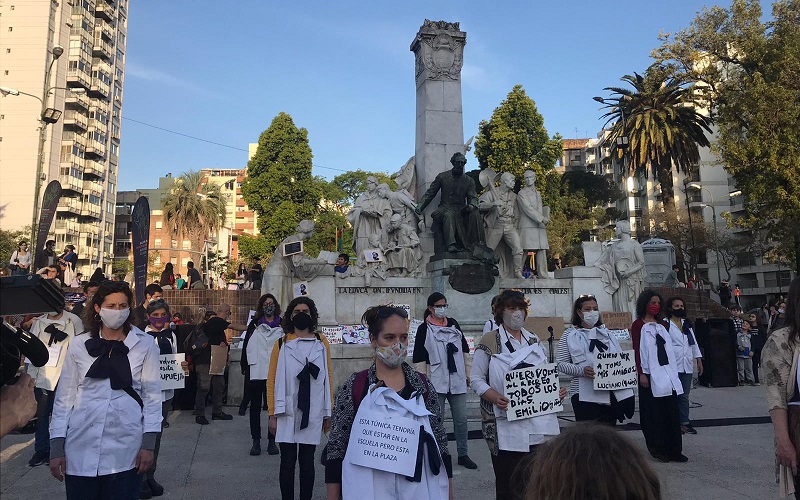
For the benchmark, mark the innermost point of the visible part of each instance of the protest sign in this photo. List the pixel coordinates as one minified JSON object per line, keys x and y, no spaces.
{"x":355,"y":334}
{"x":532,"y":391}
{"x":614,"y":371}
{"x":333,"y":334}
{"x":172,"y":375}
{"x":386,"y":443}
{"x":614,"y":320}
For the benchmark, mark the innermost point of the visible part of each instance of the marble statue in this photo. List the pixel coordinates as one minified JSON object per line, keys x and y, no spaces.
{"x":406,"y":178}
{"x":400,"y":203}
{"x":282,"y":270}
{"x":499,"y":206}
{"x":457,"y":220}
{"x":377,"y":269}
{"x":369,"y":215}
{"x":532,"y":220}
{"x":403,"y":254}
{"x":622,"y":264}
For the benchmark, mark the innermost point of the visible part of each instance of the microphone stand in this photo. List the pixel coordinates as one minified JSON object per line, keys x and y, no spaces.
{"x":550,"y":342}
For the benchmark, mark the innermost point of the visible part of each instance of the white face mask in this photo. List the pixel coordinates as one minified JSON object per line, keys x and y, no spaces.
{"x":440,"y":312}
{"x":114,"y":318}
{"x":514,"y":319}
{"x":393,"y":355}
{"x":591,"y":317}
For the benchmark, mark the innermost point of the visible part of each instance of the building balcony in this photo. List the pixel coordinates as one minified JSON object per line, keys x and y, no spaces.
{"x":102,"y":49}
{"x":72,"y":205}
{"x":104,"y":10}
{"x":95,"y":168}
{"x":67,"y":226}
{"x":77,"y":101}
{"x":78,"y":78}
{"x":104,"y":29}
{"x":70,"y":183}
{"x":74,"y":119}
{"x":99,"y":88}
{"x":96,"y":148}
{"x":90,"y":210}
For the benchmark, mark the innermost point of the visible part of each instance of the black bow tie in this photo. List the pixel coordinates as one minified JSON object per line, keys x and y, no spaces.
{"x":112,"y":362}
{"x":304,"y":395}
{"x":522,"y":364}
{"x":663,"y":359}
{"x":163,"y":339}
{"x":56,"y":335}
{"x":687,"y":330}
{"x":596,"y":344}
{"x":451,"y":360}
{"x":434,"y":460}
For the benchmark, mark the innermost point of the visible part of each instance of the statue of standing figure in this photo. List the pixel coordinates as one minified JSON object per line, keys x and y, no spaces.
{"x":457,"y":221}
{"x":622,"y":264}
{"x":400,"y":203}
{"x":370,"y":215}
{"x":403,"y":255}
{"x":499,"y":206}
{"x":532,"y":220}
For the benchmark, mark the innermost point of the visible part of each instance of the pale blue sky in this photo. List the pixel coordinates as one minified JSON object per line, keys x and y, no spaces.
{"x":343,"y":70}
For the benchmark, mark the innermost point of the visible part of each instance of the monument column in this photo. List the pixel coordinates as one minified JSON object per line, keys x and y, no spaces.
{"x":439,"y":52}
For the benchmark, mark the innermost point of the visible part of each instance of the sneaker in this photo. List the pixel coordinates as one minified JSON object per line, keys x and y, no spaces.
{"x":201,"y":419}
{"x":221,"y":416}
{"x":467,"y":462}
{"x":242,"y":411}
{"x":39,"y":458}
{"x":165,"y":425}
{"x":679,"y":458}
{"x":272,"y":448}
{"x":156,"y":489}
{"x":256,"y":449}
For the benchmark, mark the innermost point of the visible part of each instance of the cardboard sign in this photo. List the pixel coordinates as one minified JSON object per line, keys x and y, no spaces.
{"x":373,"y":255}
{"x":292,"y":248}
{"x":333,"y":334}
{"x":532,"y":392}
{"x":385,"y":443}
{"x":616,"y":320}
{"x":219,"y":358}
{"x":172,"y":376}
{"x":614,"y":371}
{"x":413,"y":326}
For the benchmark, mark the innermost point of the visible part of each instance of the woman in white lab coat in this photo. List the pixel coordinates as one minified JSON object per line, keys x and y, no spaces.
{"x":659,"y":385}
{"x":575,"y":355}
{"x":684,"y":343}
{"x":497,"y":353}
{"x":107,"y":411}
{"x":299,"y":395}
{"x":393,"y":388}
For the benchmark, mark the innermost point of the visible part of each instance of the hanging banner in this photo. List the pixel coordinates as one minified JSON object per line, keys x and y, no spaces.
{"x":140,"y":227}
{"x":52,"y":193}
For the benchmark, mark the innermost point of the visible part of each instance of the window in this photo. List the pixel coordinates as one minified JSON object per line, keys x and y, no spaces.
{"x":186,"y":245}
{"x":159,"y":224}
{"x":157,"y":243}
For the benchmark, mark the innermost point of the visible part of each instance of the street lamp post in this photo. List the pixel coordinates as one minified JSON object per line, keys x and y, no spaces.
{"x":697,"y":185}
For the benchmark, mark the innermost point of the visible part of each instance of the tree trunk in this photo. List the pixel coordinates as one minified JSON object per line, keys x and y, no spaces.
{"x":664,"y":174}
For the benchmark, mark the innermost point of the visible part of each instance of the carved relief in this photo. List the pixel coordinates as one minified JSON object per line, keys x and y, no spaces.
{"x":439,"y":48}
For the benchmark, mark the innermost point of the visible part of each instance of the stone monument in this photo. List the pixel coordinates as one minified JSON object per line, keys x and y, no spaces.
{"x":532,"y":222}
{"x":499,"y":206}
{"x":622,"y":265}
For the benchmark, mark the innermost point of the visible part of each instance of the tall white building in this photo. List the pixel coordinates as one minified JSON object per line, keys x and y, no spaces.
{"x":81,"y":150}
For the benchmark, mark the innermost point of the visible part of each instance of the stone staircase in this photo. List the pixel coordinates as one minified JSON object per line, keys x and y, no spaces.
{"x":698,"y":303}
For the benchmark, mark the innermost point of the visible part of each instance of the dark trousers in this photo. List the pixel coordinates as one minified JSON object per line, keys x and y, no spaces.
{"x":756,"y":364}
{"x":291,"y":453}
{"x":205,"y":382}
{"x":44,"y":408}
{"x":509,"y":483}
{"x":164,"y":412}
{"x":660,"y":421}
{"x":245,"y":391}
{"x":593,"y":412}
{"x":258,"y":397}
{"x":119,"y":486}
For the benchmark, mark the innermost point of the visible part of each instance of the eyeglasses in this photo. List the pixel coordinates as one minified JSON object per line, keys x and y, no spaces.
{"x":386,"y":311}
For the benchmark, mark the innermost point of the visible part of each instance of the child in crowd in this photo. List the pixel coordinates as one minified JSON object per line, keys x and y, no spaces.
{"x":744,"y":354}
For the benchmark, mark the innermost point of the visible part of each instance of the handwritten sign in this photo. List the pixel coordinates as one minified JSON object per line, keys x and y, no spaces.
{"x":386,"y":443}
{"x":172,"y":376}
{"x":614,"y":371}
{"x":333,"y":334}
{"x":616,"y":320}
{"x":532,"y":392}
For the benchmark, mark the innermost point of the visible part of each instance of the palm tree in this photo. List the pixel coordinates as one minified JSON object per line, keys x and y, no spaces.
{"x":664,"y":128}
{"x":193,"y":209}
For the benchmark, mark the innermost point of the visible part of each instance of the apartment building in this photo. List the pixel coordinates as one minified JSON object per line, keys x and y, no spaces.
{"x":81,"y":148}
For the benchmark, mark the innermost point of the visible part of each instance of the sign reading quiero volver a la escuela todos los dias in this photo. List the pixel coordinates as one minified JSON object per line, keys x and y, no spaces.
{"x":382,"y":442}
{"x":614,"y":371}
{"x":532,"y":392}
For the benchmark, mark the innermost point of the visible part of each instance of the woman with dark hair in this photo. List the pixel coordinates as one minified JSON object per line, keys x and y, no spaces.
{"x":107,"y":412}
{"x":586,"y":461}
{"x":576,"y":355}
{"x":510,"y":442}
{"x":440,"y":343}
{"x":659,"y":385}
{"x":98,"y":276}
{"x":21,"y":259}
{"x":687,"y":351}
{"x":262,"y":333}
{"x":167,"y":280}
{"x":780,"y":358}
{"x":299,"y":394}
{"x":388,"y":388}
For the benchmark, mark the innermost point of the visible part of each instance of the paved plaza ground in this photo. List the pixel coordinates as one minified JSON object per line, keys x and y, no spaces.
{"x":731,"y":458}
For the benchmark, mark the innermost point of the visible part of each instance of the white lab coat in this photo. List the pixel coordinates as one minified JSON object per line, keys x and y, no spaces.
{"x":436,"y":342}
{"x":166,"y":394}
{"x":685,"y":354}
{"x":511,"y":436}
{"x":663,"y":379}
{"x":578,"y":342}
{"x":47,"y":377}
{"x":103,"y":427}
{"x":362,"y":482}
{"x":291,"y":361}
{"x":259,"y":350}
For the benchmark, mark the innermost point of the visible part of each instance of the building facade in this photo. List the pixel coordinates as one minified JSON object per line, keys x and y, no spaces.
{"x":81,"y":149}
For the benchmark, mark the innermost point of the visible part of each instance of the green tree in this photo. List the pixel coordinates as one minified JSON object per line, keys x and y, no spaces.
{"x":598,"y":189}
{"x":353,"y":184}
{"x":515,"y":139}
{"x":193,"y":209}
{"x":662,"y":123}
{"x":253,"y":246}
{"x":279,"y":186}
{"x":9,"y":241}
{"x":748,"y":68}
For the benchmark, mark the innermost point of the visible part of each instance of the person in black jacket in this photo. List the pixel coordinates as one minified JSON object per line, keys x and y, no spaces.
{"x":139,"y":313}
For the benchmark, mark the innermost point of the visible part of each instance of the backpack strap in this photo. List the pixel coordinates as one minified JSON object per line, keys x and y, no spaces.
{"x":360,"y":388}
